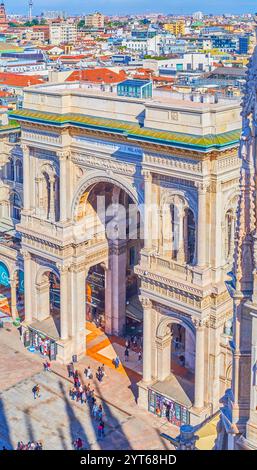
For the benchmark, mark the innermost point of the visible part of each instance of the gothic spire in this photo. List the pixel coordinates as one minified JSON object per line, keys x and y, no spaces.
{"x":244,"y":262}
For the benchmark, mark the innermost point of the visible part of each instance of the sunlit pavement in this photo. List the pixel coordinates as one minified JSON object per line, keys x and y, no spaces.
{"x":105,"y":348}
{"x":54,"y":419}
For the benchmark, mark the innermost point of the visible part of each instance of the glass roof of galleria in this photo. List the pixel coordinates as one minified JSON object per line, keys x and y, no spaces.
{"x":132,"y":131}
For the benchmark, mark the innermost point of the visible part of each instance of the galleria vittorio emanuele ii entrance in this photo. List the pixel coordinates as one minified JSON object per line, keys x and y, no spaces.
{"x":118,"y":233}
{"x":111,"y":215}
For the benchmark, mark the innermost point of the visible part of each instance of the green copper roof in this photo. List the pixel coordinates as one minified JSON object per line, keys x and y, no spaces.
{"x":11,"y":126}
{"x":131,"y":131}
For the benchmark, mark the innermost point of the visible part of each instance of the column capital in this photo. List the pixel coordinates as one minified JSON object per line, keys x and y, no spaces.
{"x":26,"y":255}
{"x":63,"y":268}
{"x":145,"y":302}
{"x":13,"y":282}
{"x":117,"y":247}
{"x":202,"y":186}
{"x":25,"y":148}
{"x":79,"y":268}
{"x":64,"y":154}
{"x":200,"y":323}
{"x":147,"y":175}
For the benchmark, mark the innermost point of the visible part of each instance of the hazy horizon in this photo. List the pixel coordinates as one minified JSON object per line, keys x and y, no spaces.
{"x":115,"y":7}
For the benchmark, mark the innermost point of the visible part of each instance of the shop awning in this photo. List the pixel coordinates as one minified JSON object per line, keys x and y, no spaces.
{"x":134,"y":309}
{"x":47,"y":328}
{"x":177,"y":389}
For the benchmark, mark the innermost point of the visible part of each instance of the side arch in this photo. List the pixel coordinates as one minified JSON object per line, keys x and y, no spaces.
{"x":43,"y":270}
{"x":161,"y":331}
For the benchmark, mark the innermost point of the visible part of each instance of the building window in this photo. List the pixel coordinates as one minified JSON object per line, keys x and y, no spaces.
{"x":19,"y":171}
{"x":132,"y":256}
{"x":190,"y":237}
{"x":10,"y":170}
{"x":15,"y":207}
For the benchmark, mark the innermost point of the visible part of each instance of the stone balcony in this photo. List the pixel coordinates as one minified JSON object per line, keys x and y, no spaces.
{"x":172,"y":269}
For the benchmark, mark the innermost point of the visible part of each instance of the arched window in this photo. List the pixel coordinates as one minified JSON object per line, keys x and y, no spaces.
{"x":19,"y":171}
{"x":229,"y":234}
{"x":15,"y":207}
{"x":46,"y":195}
{"x":10,"y":170}
{"x":190,"y":236}
{"x":175,"y":230}
{"x":183,"y":233}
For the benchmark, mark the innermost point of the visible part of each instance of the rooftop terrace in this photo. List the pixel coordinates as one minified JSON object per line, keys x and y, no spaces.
{"x":163,"y":119}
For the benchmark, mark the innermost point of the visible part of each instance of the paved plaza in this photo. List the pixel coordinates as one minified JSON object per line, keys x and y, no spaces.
{"x":56,"y":420}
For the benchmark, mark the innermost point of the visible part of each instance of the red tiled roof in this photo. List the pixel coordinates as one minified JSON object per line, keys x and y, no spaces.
{"x":3,"y":94}
{"x":18,"y":80}
{"x":73,"y":57}
{"x":141,"y":76}
{"x":164,"y":79}
{"x":97,"y":76}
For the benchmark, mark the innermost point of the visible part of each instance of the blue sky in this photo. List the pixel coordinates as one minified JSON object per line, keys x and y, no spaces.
{"x":135,"y":6}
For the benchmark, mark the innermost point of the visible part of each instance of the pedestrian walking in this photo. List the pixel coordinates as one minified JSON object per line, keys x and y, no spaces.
{"x":126,"y":354}
{"x":83,"y":396}
{"x":79,"y":443}
{"x":36,"y":391}
{"x":88,"y":372}
{"x":140,"y":355}
{"x":70,"y":368}
{"x":47,"y":366}
{"x":73,"y":393}
{"x":100,"y":413}
{"x":100,"y":431}
{"x":116,"y":362}
{"x":95,"y":410}
{"x":103,"y":371}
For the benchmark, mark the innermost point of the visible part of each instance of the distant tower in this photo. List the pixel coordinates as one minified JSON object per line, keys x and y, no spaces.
{"x":3,"y":18}
{"x":30,"y":9}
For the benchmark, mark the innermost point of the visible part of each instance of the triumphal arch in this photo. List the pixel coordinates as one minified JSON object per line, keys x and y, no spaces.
{"x":162,"y":174}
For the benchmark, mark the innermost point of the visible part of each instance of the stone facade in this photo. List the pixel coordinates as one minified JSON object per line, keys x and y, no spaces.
{"x":192,"y":182}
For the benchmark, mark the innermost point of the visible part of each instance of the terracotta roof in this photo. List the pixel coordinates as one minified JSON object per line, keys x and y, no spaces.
{"x":164,"y":79}
{"x":141,"y":76}
{"x":73,"y":57}
{"x":4,"y":94}
{"x":97,"y":76}
{"x":18,"y":80}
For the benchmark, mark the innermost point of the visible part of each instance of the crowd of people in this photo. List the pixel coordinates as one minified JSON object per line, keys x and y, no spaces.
{"x":29,"y":446}
{"x":86,"y":394}
{"x":133,"y":344}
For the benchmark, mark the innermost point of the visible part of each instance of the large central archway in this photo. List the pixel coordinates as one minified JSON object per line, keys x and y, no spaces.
{"x":107,"y":213}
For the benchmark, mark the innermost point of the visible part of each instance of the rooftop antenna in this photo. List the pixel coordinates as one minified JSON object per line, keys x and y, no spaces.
{"x":30,"y":9}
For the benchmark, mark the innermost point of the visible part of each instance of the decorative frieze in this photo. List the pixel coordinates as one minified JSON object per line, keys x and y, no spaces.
{"x":103,"y":163}
{"x":169,"y":181}
{"x":172,"y":162}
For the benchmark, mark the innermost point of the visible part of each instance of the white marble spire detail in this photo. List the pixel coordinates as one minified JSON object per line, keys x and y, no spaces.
{"x":245,"y":261}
